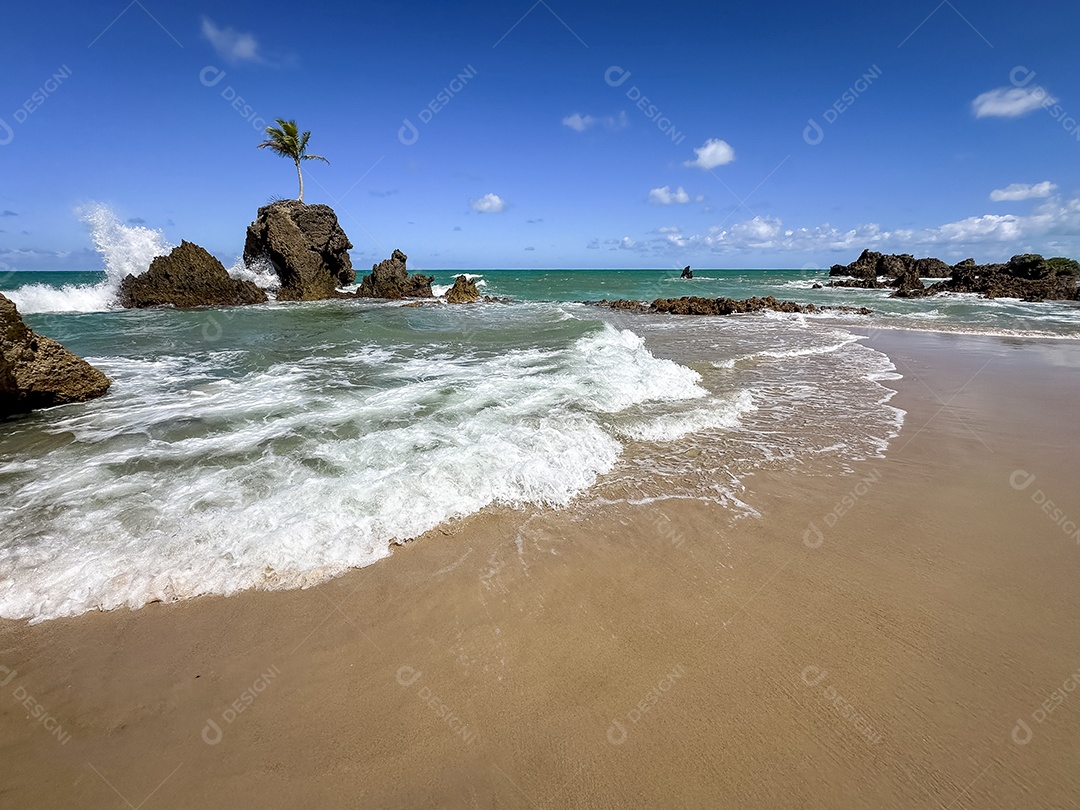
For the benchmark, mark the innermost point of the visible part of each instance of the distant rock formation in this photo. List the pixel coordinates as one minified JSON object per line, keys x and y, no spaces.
{"x":188,"y":277}
{"x":463,"y":292}
{"x":695,"y":305}
{"x":1029,"y":276}
{"x":687,"y":272}
{"x":37,"y":372}
{"x":390,"y":279}
{"x":306,"y":247}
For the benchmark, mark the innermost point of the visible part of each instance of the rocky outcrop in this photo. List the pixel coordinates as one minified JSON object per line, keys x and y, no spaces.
{"x":390,"y":279}
{"x":687,"y":272}
{"x":188,"y":277}
{"x":37,"y":372}
{"x":695,"y":305}
{"x":463,"y":292}
{"x":306,"y":247}
{"x":1029,"y":276}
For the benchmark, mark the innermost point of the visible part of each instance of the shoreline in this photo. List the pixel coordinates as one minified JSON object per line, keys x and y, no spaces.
{"x":630,"y":656}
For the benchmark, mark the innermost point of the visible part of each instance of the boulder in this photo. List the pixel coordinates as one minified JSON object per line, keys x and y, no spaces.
{"x":37,"y":372}
{"x":188,"y":277}
{"x":695,"y":305}
{"x":1028,"y":277}
{"x":306,"y":247}
{"x":463,"y":292}
{"x":872,"y":264}
{"x":390,"y":279}
{"x":687,"y":272}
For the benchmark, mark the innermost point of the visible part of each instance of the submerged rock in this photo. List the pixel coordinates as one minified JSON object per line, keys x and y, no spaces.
{"x":463,"y":292}
{"x":695,"y":305}
{"x":390,"y":279}
{"x":687,"y":272}
{"x":306,"y":247}
{"x":37,"y":372}
{"x":188,"y":277}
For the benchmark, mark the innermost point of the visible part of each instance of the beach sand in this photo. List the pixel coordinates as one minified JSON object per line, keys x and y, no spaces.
{"x":871,"y":640}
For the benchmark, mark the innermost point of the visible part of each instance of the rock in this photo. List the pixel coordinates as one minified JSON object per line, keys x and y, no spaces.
{"x":932,"y":268}
{"x":306,"y":247}
{"x":687,"y":272}
{"x":815,"y":286}
{"x":1028,"y":277}
{"x":463,"y":292}
{"x":187,"y":277}
{"x":861,"y":283}
{"x":872,"y":264}
{"x":695,"y":305}
{"x":390,"y":279}
{"x":37,"y":372}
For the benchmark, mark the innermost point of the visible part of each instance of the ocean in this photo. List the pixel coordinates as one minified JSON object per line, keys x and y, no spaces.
{"x":278,"y":445}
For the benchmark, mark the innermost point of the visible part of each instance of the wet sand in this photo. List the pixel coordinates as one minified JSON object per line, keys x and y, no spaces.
{"x":882,"y":639}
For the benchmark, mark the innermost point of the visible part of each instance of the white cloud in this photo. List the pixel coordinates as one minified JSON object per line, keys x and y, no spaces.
{"x":232,"y":46}
{"x":714,"y":152}
{"x":1011,"y":102}
{"x":1023,"y":191}
{"x":580,"y":123}
{"x":488,"y":204}
{"x":665,"y":196}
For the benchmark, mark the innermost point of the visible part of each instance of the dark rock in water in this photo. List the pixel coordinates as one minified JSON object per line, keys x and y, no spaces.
{"x":860,"y":283}
{"x":37,"y":372}
{"x":187,"y":277}
{"x":1028,"y":276}
{"x":390,"y":279}
{"x":695,"y":305}
{"x":816,"y":286}
{"x":908,"y":284}
{"x":872,"y":264}
{"x":463,"y":292}
{"x":687,"y":272}
{"x":306,"y":247}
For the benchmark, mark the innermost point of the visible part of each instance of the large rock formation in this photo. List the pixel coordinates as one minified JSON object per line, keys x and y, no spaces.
{"x":463,"y":292}
{"x":687,"y":272}
{"x":306,"y":247}
{"x":188,"y":277}
{"x":37,"y":372}
{"x":390,"y":279}
{"x":695,"y":305}
{"x":1029,"y":276}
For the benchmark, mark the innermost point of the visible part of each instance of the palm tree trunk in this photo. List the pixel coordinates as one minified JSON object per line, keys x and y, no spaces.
{"x":300,"y":177}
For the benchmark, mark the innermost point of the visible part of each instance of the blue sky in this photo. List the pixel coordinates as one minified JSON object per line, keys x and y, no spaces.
{"x":589,"y":134}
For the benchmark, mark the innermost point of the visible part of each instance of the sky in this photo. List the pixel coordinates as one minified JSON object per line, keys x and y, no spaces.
{"x":550,"y":134}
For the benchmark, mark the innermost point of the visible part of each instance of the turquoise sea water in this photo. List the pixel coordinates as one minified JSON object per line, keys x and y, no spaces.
{"x":276,"y":445}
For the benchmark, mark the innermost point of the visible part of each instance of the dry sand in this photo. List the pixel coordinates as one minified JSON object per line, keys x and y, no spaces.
{"x":876,"y":652}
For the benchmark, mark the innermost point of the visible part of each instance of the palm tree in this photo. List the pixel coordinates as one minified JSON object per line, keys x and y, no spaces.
{"x":290,"y":143}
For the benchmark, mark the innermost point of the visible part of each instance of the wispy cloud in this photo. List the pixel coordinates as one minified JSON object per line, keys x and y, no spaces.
{"x":580,"y":123}
{"x":1011,"y":102}
{"x":714,"y":152}
{"x":233,"y":46}
{"x":665,"y":196}
{"x":488,"y":204}
{"x":1023,"y":191}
